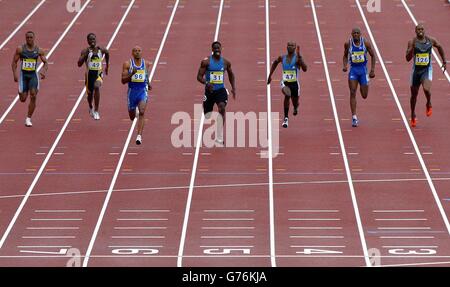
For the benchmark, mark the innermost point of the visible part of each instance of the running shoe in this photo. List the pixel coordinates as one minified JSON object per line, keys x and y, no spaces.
{"x":138,"y":140}
{"x":413,"y":122}
{"x":285,"y":122}
{"x":28,"y":122}
{"x":96,"y":116}
{"x":220,"y":143}
{"x":355,"y":122}
{"x":429,"y":111}
{"x":92,"y":112}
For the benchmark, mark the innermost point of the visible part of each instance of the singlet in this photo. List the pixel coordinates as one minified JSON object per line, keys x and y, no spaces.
{"x":94,"y":60}
{"x":29,"y":59}
{"x":140,"y":79}
{"x":215,"y":73}
{"x":357,"y":55}
{"x":290,"y":70}
{"x":422,"y":53}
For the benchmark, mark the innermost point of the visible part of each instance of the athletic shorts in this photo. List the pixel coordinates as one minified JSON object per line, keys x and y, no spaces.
{"x":28,"y":81}
{"x":135,"y":97}
{"x":293,"y":86}
{"x":420,"y":75}
{"x":91,"y":78}
{"x":216,"y":97}
{"x":359,"y":73}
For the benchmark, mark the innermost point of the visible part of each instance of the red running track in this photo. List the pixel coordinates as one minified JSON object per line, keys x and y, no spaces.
{"x":168,"y":207}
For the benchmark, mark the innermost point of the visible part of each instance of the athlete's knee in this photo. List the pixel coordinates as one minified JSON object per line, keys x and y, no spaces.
{"x":132,"y":115}
{"x":22,"y":97}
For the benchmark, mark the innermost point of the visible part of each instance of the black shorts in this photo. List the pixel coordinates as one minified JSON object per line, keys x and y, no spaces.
{"x":293,"y":86}
{"x":421,"y":74}
{"x":216,"y":97}
{"x":91,"y":78}
{"x":28,"y":81}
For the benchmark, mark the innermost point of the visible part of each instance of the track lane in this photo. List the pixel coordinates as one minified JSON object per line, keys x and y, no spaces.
{"x":11,"y":15}
{"x":431,"y":133}
{"x":313,"y":217}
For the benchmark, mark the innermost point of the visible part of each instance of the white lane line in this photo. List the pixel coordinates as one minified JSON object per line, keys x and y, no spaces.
{"x":21,"y":24}
{"x":229,"y":210}
{"x":195,"y":162}
{"x":415,"y":264}
{"x":61,"y":211}
{"x":318,"y":246}
{"x":142,"y":219}
{"x":313,"y":211}
{"x":341,"y":141}
{"x":403,"y":228}
{"x":137,"y":237}
{"x":228,"y":219}
{"x":143,"y":210}
{"x":228,"y":237}
{"x":135,"y":246}
{"x":140,"y":227}
{"x":127,"y":142}
{"x":397,"y":211}
{"x":52,"y":228}
{"x":317,"y":237}
{"x":405,"y":122}
{"x":314,"y":219}
{"x":48,"y":237}
{"x":229,"y":227}
{"x":315,"y":228}
{"x":16,"y":99}
{"x":401,"y":219}
{"x":226,"y":246}
{"x":269,"y":141}
{"x":416,"y":23}
{"x":406,"y":237}
{"x":56,"y":219}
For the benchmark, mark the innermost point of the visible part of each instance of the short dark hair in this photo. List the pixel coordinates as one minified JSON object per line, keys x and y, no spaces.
{"x":216,"y":42}
{"x":89,"y":35}
{"x":29,"y":32}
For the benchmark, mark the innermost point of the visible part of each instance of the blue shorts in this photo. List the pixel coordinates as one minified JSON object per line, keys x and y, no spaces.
{"x":135,"y":97}
{"x":359,"y":74}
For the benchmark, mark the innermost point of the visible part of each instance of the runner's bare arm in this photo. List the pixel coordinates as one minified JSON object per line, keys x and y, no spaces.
{"x":126,"y":77}
{"x":231,"y":78}
{"x":410,"y":51}
{"x":106,"y":53}
{"x":202,"y":71}
{"x":16,"y":58}
{"x":373,"y":59}
{"x":43,"y":72}
{"x":83,"y":57}
{"x":345,"y":57}
{"x":300,"y":61}
{"x":273,"y":68}
{"x":441,"y":53}
{"x":147,"y":67}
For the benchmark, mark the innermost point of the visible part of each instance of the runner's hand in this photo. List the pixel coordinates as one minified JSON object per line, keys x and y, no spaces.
{"x":269,"y":80}
{"x":444,"y":67}
{"x":372,"y":74}
{"x":233,"y":92}
{"x":209,"y":87}
{"x":15,"y":78}
{"x":42,"y":75}
{"x":106,"y":70}
{"x":344,"y":69}
{"x":134,"y":71}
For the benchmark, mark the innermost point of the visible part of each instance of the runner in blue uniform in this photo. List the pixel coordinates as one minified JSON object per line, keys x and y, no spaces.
{"x":135,"y":72}
{"x":290,"y":84}
{"x":355,"y":54}
{"x":212,"y":74}
{"x":420,"y":48}
{"x":28,"y":54}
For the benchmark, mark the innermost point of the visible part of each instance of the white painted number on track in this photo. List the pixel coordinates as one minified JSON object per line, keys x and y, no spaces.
{"x":412,"y":252}
{"x":134,"y":251}
{"x":310,"y":251}
{"x":219,"y":251}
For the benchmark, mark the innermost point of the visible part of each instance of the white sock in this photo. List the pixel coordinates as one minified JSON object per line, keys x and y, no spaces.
{"x":354,"y":117}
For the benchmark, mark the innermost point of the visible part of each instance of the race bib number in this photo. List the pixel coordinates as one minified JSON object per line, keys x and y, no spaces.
{"x":139,"y":77}
{"x":29,"y":64}
{"x":358,"y":57}
{"x":422,"y":59}
{"x":216,"y":77}
{"x":95,"y":65}
{"x":289,"y":76}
